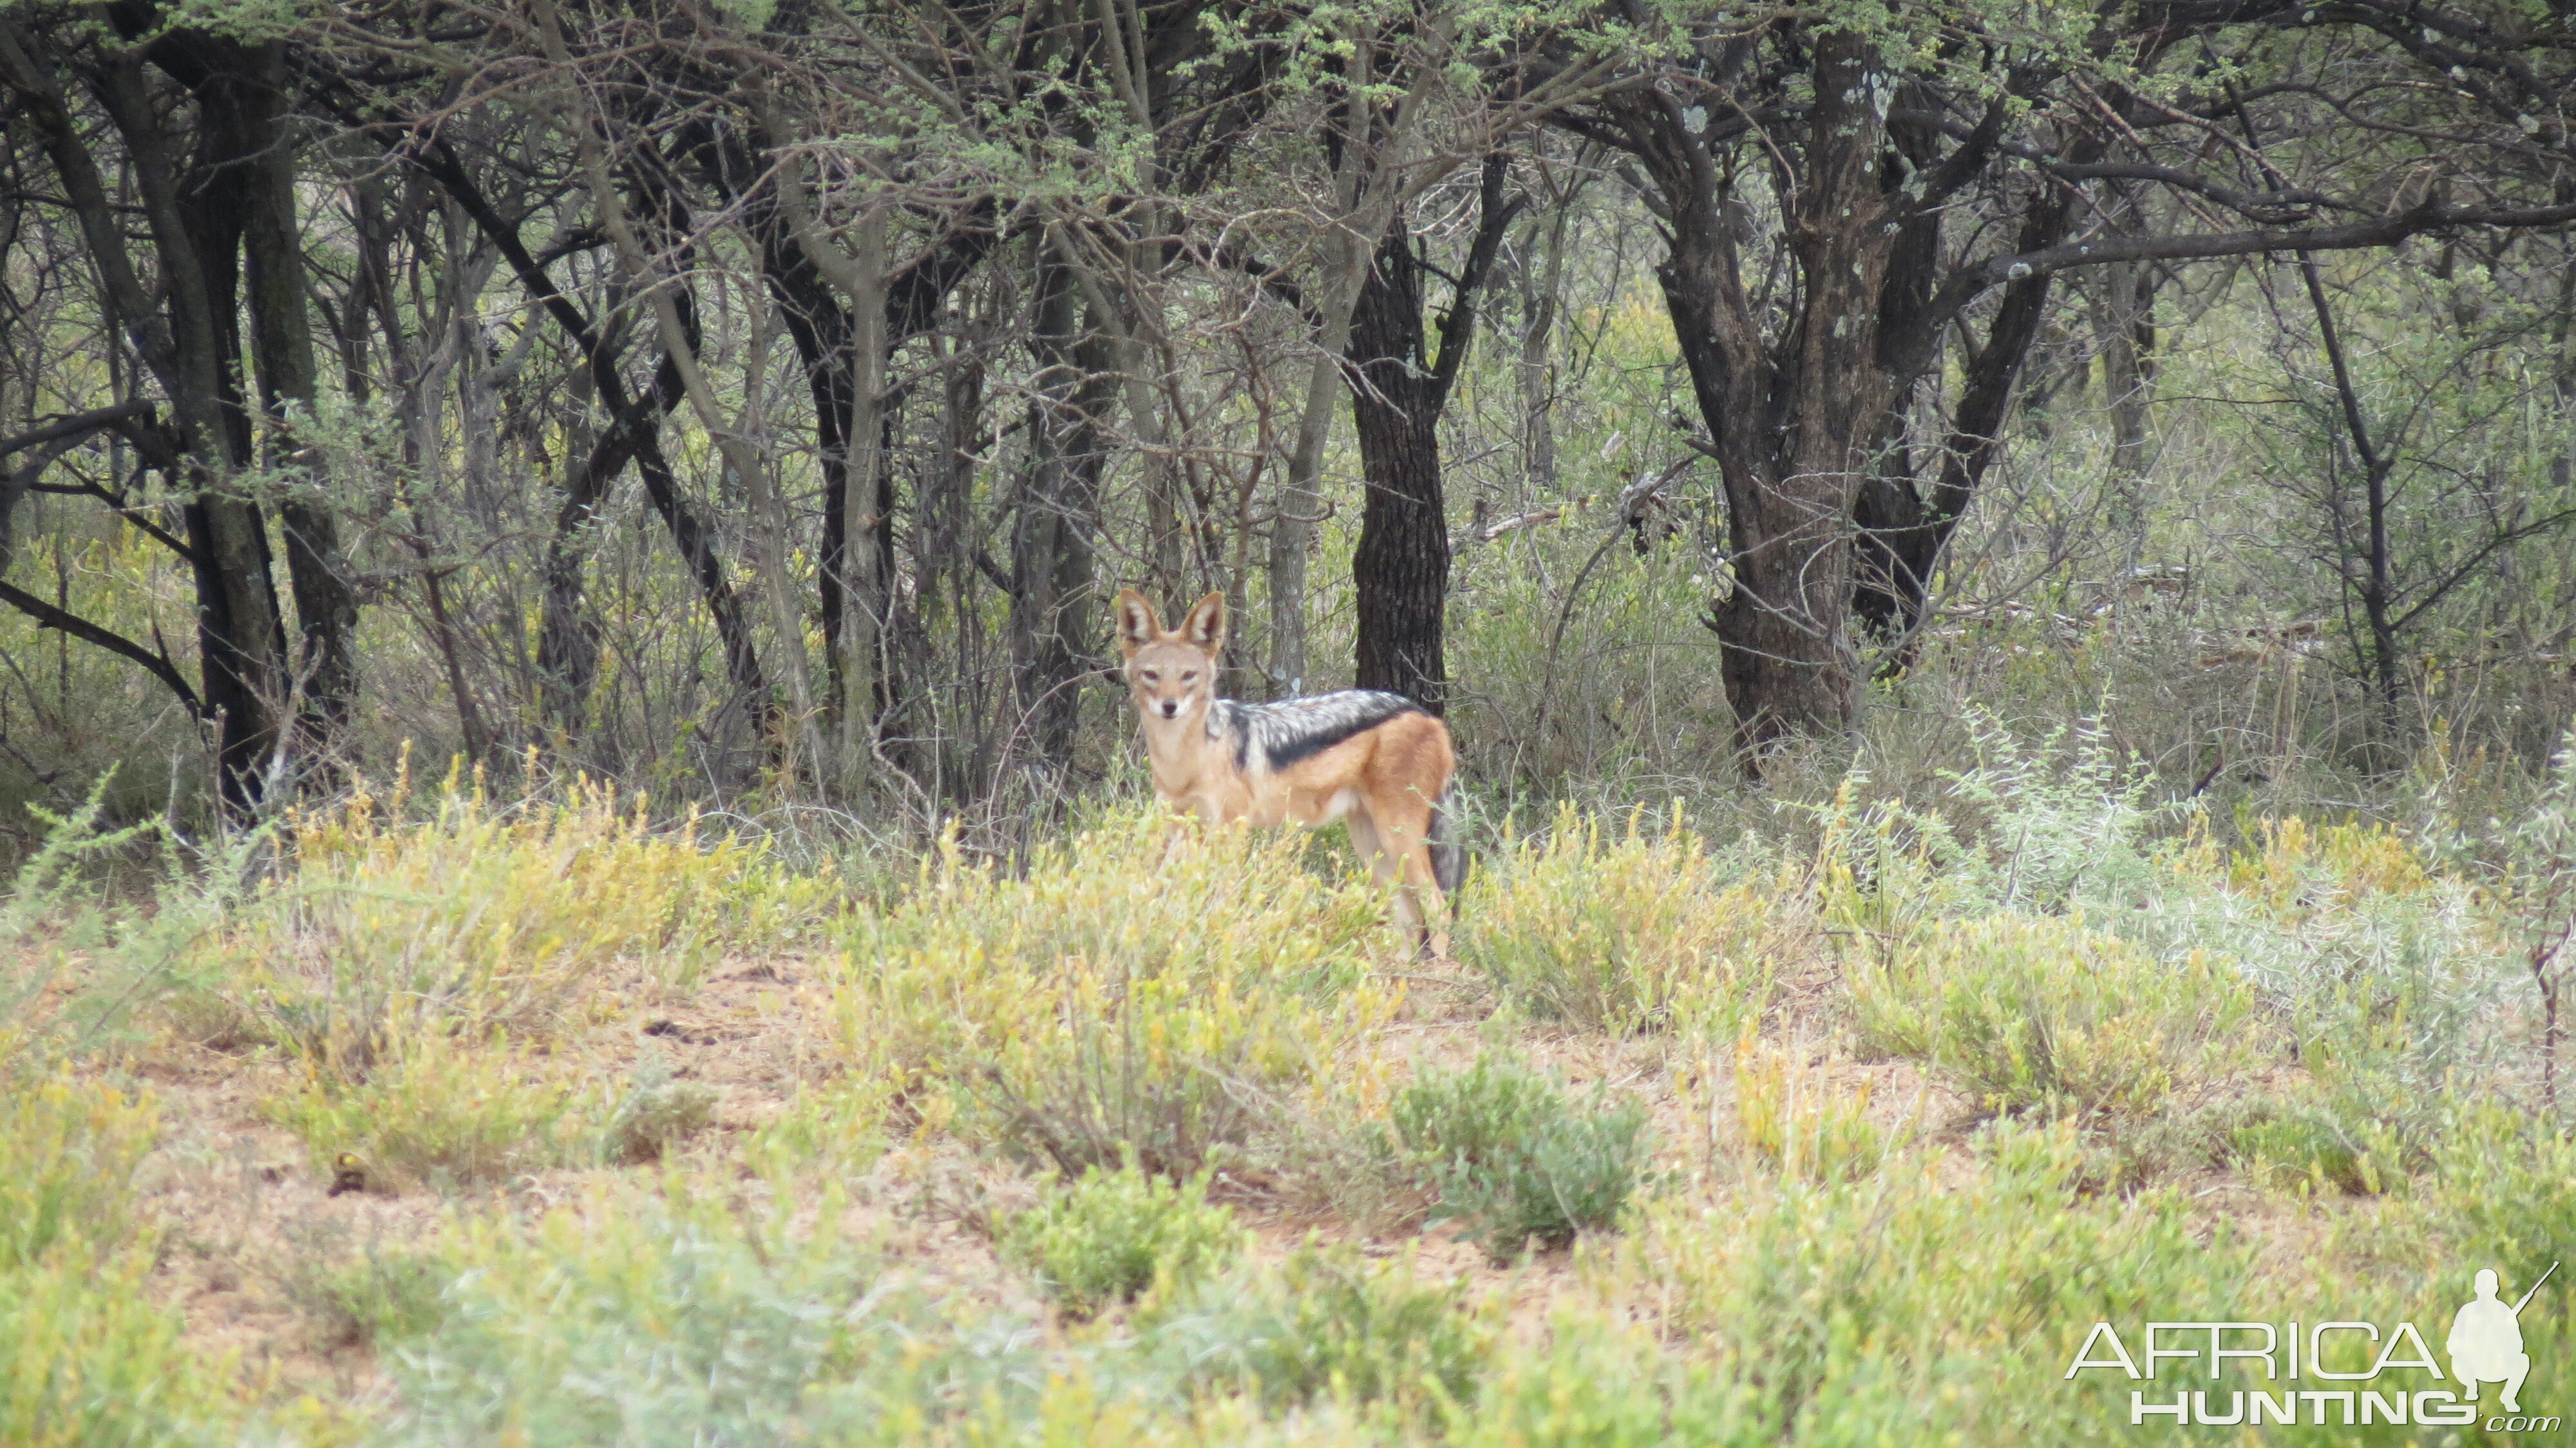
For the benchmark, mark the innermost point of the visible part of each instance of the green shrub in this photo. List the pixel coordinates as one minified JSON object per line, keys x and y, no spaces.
{"x":2024,"y":1013}
{"x":1328,"y":1323}
{"x":2289,"y":1143}
{"x":87,"y":1355}
{"x":1628,"y":934}
{"x":89,"y":1360}
{"x":1595,"y":1384}
{"x":1512,"y":1158}
{"x":2060,"y":819}
{"x":1471,"y":1120}
{"x":68,"y":1150}
{"x":1918,"y":1305}
{"x":838,"y":1127}
{"x":2506,"y":1185}
{"x":1111,"y":1236}
{"x":2353,"y":1124}
{"x":677,"y":1322}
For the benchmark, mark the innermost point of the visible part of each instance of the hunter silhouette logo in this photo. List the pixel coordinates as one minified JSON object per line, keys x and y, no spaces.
{"x":2362,"y":1375}
{"x":2486,"y":1341}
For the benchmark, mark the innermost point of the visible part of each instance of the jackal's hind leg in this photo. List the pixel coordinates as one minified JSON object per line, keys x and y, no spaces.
{"x":1404,"y":853}
{"x":1388,"y":861}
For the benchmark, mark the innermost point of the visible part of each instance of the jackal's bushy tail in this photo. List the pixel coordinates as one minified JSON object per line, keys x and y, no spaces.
{"x":1448,"y":857}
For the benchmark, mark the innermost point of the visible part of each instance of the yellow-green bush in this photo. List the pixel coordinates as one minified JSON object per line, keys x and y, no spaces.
{"x":436,"y":1110}
{"x":1329,"y":1323}
{"x":1129,"y":993}
{"x":480,"y":917}
{"x":86,"y":1356}
{"x":1625,"y":932}
{"x":88,"y":1360}
{"x":2298,"y":867}
{"x":68,"y":1149}
{"x":2023,"y":1012}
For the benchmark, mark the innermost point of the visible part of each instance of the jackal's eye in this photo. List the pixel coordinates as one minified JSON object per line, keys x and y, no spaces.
{"x":1189,"y":676}
{"x":1148,"y":675}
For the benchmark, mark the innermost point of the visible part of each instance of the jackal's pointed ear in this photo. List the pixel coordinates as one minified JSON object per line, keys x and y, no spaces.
{"x":1204,"y":629}
{"x":1138,"y":624}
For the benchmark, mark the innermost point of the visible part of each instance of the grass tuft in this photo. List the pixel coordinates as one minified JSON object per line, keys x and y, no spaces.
{"x":1793,"y":1122}
{"x":1330,"y":1324}
{"x":1627,"y":933}
{"x":437,"y":1113}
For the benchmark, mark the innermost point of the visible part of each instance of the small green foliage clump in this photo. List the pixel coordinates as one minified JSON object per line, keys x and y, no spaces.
{"x":1795,"y":1124}
{"x":367,"y":1298}
{"x":1111,"y":1236}
{"x":1513,"y":1158}
{"x":1330,"y":1324}
{"x":88,"y":1354}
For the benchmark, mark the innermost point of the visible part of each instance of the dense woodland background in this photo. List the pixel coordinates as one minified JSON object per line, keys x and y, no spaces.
{"x":756,"y":403}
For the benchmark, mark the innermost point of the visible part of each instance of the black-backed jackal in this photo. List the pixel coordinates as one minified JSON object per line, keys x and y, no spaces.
{"x":1375,"y":761}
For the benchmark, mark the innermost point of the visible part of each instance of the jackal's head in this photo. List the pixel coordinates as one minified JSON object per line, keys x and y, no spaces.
{"x":1171,"y":672}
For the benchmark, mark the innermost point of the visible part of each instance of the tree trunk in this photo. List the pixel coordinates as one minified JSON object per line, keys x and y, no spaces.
{"x":196,"y":225}
{"x":1542,"y":285}
{"x":1052,"y":623}
{"x":1794,"y":423}
{"x":858,"y":542}
{"x":1905,"y":527}
{"x":281,"y":334}
{"x":2125,"y":328}
{"x":1400,"y":571}
{"x":2377,"y":587}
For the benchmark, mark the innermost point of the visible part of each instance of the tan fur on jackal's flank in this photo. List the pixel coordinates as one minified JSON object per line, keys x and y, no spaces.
{"x":1373,"y":761}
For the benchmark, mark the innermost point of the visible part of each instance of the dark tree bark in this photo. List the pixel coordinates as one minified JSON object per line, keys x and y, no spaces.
{"x":186,"y":331}
{"x":1053,"y":602}
{"x":326,"y":610}
{"x":1792,"y":420}
{"x":1401,"y":567}
{"x":567,"y":634}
